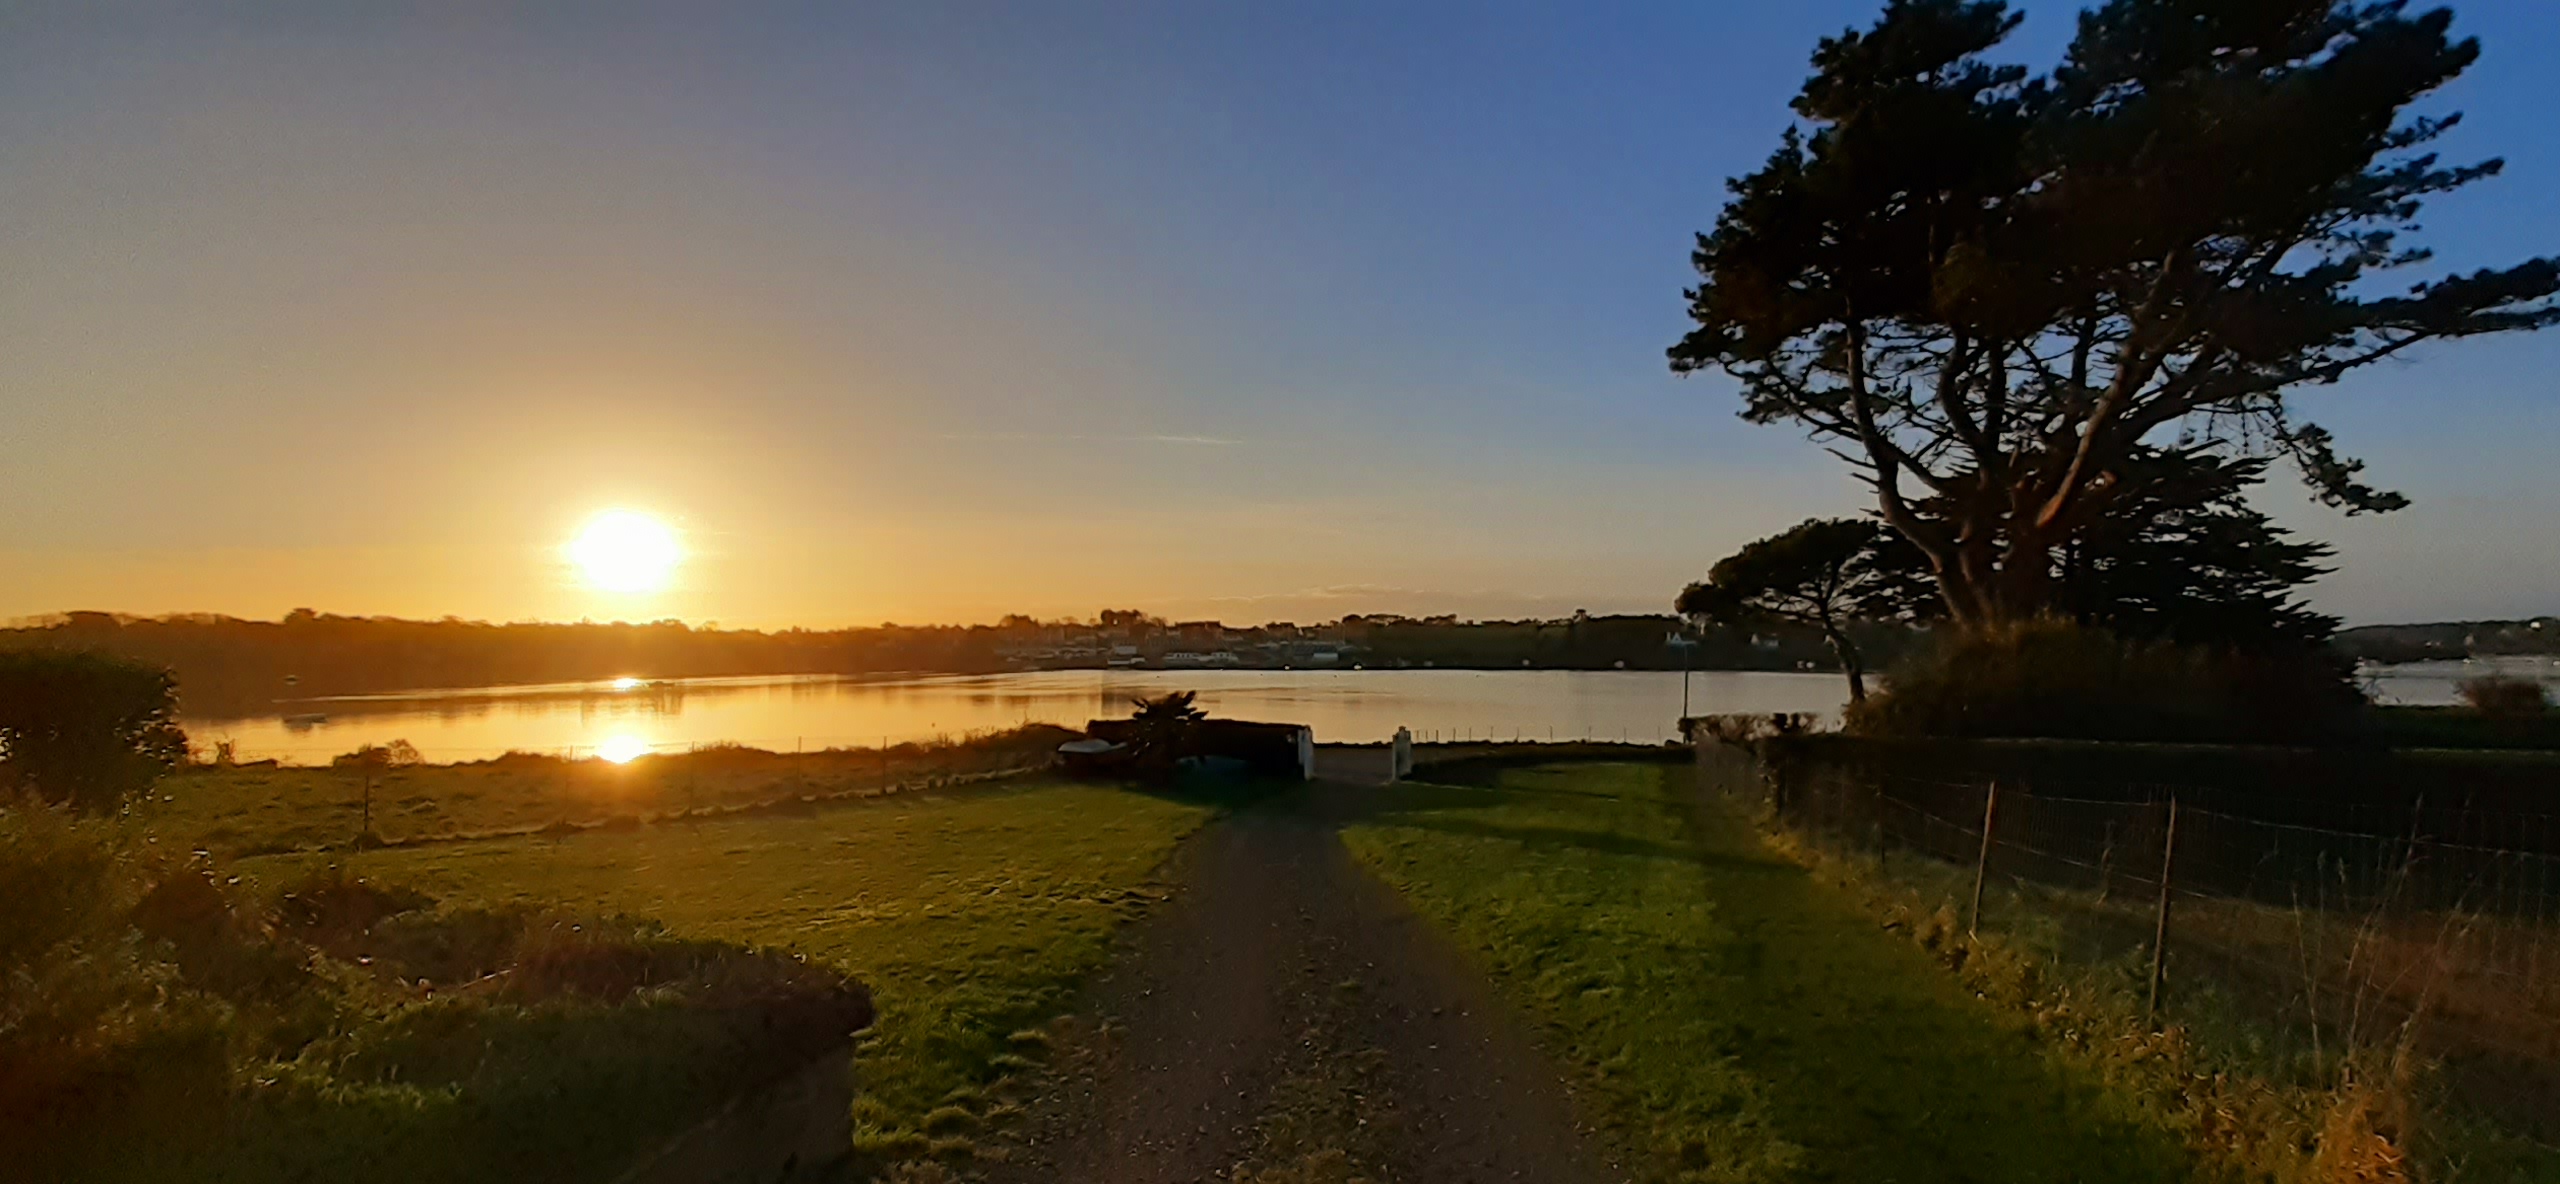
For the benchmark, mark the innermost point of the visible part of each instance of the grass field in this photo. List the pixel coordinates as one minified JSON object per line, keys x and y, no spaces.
{"x":1736,"y":1019}
{"x":267,"y":809}
{"x":969,"y":912}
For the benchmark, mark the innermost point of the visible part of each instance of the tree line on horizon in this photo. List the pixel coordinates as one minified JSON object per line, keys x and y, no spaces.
{"x":226,"y":665}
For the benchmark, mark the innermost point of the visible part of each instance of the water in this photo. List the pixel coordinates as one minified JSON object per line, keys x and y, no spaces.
{"x":624,"y":718}
{"x":2437,"y":684}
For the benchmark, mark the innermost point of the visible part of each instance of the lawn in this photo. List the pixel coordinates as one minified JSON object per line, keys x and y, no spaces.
{"x":969,"y":912}
{"x":1735,"y":1019}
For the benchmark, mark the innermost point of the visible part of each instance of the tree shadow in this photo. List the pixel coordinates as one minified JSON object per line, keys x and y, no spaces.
{"x":1882,"y":1064}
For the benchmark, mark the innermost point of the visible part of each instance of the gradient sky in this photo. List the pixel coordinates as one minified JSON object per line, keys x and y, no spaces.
{"x":931,"y":312}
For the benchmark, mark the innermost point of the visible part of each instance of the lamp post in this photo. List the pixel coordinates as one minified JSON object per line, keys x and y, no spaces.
{"x":1683,"y":643}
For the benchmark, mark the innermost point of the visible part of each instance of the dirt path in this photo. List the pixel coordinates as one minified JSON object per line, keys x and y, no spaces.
{"x":1286,"y":1018}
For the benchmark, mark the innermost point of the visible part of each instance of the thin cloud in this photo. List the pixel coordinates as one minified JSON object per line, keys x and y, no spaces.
{"x":1081,"y":437}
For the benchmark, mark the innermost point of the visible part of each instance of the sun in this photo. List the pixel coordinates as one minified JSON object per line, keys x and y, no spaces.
{"x":626,"y":551}
{"x":622,"y":750}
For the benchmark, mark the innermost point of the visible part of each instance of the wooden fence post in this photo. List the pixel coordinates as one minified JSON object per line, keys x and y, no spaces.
{"x":2160,"y":926}
{"x":1982,"y":862}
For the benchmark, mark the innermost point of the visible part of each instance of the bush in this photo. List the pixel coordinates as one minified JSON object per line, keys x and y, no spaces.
{"x":86,"y":730}
{"x":161,"y":1021}
{"x":2504,"y":696}
{"x":2052,"y":679}
{"x":89,"y":1018}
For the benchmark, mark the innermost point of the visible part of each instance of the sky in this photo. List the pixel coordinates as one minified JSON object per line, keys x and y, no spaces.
{"x":934,"y":312}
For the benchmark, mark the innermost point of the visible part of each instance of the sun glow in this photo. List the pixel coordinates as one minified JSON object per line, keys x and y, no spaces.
{"x":623,"y":750}
{"x":623,"y":551}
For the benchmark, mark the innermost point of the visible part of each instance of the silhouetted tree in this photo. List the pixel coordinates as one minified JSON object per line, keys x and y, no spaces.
{"x":2184,"y":557}
{"x":1165,"y":727}
{"x":1988,"y":291}
{"x":1824,"y":573}
{"x":86,"y":730}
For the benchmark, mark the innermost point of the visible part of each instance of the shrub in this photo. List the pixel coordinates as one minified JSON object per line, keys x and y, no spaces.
{"x":159,"y":1021}
{"x":86,"y":730}
{"x":2504,"y":696}
{"x":2052,"y":679}
{"x":1744,"y":730}
{"x":88,"y":1018}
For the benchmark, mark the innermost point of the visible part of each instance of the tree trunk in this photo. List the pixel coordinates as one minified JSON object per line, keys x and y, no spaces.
{"x":1986,"y":587}
{"x":1850,"y":664}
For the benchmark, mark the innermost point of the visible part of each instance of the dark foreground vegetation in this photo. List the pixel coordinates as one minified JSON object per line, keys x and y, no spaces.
{"x":160,"y":1019}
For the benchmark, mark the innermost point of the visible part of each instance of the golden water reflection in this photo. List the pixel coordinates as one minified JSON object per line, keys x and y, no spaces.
{"x":633,"y":715}
{"x":638,"y":714}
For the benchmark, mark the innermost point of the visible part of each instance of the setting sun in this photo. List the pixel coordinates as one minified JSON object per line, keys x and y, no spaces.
{"x":622,"y":750}
{"x":623,"y":551}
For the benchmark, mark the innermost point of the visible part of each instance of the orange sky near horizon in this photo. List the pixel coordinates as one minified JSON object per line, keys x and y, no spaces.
{"x":909,"y":313}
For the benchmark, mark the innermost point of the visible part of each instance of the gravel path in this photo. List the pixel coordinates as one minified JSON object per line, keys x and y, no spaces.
{"x":1287,"y":1019}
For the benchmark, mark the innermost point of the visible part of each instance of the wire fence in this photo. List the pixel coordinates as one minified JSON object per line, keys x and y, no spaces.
{"x":2324,"y":921}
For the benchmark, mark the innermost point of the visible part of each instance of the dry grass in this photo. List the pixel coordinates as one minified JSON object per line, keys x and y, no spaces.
{"x":2351,"y":1098}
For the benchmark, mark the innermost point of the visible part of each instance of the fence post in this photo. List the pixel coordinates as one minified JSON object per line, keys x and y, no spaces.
{"x":2160,"y":926}
{"x":2107,"y":862}
{"x":1982,"y":862}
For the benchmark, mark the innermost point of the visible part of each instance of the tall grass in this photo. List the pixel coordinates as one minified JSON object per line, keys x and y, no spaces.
{"x":2347,"y":1100}
{"x":159,"y":1020}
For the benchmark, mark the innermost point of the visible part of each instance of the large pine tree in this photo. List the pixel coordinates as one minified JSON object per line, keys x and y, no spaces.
{"x":1995,"y":294}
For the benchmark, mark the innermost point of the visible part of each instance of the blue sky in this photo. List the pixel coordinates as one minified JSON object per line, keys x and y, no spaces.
{"x":932,"y":312}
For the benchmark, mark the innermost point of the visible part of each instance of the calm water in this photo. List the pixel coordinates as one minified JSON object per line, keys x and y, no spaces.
{"x":2434,"y":684}
{"x":819,"y":712}
{"x":826,"y":711}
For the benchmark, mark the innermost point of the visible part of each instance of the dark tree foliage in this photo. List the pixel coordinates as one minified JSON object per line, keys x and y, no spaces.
{"x":1824,"y":573}
{"x":2185,"y":558}
{"x":85,"y":730}
{"x":1991,"y":292}
{"x":1166,"y":728}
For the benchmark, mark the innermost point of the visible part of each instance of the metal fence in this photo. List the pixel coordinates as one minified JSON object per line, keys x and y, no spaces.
{"x":2321,"y":921}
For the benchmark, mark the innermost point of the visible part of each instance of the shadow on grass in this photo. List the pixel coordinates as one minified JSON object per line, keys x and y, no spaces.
{"x":1881,"y":1064}
{"x":1437,"y":806}
{"x":1665,"y":943}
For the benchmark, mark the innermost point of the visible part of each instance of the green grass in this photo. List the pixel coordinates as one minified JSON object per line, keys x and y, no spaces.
{"x":2463,"y":727}
{"x":1737,"y":1019}
{"x":261,"y":809}
{"x":970,"y":913}
{"x":2230,"y":1066}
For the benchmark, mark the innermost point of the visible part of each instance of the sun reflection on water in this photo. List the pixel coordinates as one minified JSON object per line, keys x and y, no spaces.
{"x":622,"y":750}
